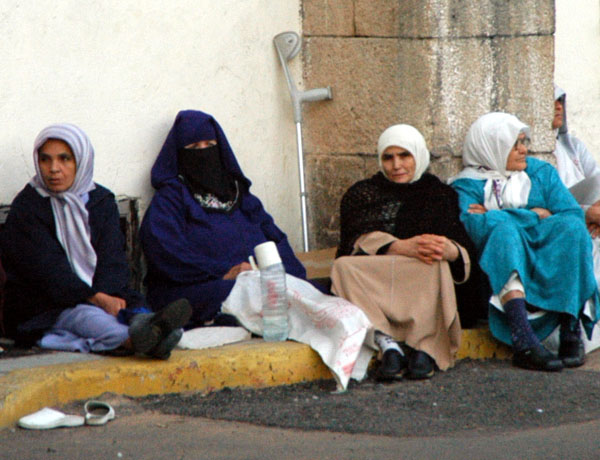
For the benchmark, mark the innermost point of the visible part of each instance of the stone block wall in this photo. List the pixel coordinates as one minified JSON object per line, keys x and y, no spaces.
{"x":435,"y":64}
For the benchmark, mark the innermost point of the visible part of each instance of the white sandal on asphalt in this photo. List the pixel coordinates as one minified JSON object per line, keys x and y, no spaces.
{"x":47,"y":418}
{"x":98,"y":412}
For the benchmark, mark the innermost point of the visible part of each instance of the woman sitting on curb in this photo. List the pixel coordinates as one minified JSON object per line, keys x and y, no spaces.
{"x":532,"y":243}
{"x":203,"y":222}
{"x":415,"y":253}
{"x":64,"y":255}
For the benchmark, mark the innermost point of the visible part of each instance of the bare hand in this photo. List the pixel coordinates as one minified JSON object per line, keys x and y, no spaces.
{"x":236,"y":270}
{"x":477,"y":209}
{"x":541,"y":212}
{"x":592,"y":215}
{"x":110,"y":304}
{"x":427,"y":248}
{"x":437,"y":247}
{"x":409,"y":248}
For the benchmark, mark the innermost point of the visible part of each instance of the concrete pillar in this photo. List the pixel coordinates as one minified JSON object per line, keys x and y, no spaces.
{"x":435,"y":64}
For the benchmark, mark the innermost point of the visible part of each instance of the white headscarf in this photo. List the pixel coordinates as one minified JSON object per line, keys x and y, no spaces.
{"x":487,"y":146}
{"x":70,"y":214}
{"x":408,"y":138}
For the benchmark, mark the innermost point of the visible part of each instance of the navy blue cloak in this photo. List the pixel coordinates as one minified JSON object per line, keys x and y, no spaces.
{"x":40,"y":281}
{"x":189,"y":248}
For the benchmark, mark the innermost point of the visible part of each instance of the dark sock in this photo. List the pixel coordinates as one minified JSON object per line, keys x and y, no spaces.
{"x":570,"y":328}
{"x":521,"y":333}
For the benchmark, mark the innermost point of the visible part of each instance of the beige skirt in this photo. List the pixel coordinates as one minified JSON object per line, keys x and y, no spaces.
{"x":409,"y":300}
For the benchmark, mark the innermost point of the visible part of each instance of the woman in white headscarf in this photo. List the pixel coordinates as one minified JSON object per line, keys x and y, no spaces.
{"x":532,"y":243}
{"x":64,"y":255}
{"x":405,"y":223}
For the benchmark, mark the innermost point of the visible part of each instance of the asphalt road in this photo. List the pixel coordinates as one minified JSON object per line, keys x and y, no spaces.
{"x":477,"y":410}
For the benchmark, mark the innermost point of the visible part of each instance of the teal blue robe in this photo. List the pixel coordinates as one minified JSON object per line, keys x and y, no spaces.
{"x":553,"y":256}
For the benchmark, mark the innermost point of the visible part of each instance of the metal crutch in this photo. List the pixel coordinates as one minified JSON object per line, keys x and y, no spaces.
{"x":288,"y":46}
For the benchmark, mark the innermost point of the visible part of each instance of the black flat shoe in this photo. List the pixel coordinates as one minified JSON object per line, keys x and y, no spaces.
{"x":147,"y":330}
{"x":420,"y":366}
{"x":393,"y":364}
{"x":537,"y":359}
{"x":572,"y":353}
{"x":166,"y":345}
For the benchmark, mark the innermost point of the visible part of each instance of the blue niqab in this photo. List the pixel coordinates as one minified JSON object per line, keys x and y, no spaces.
{"x":192,"y":126}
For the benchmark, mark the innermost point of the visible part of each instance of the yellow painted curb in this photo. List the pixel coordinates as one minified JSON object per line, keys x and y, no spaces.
{"x":253,"y":364}
{"x":250,"y":364}
{"x":480,"y":344}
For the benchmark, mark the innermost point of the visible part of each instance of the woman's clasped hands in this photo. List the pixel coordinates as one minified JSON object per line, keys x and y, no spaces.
{"x":427,"y":248}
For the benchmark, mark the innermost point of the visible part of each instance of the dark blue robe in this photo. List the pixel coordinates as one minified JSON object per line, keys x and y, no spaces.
{"x":40,"y":281}
{"x":189,"y":248}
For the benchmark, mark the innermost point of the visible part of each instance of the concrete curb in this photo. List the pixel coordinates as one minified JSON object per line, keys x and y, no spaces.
{"x":248,"y":364}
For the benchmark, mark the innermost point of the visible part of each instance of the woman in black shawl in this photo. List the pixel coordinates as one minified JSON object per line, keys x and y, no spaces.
{"x":420,"y":262}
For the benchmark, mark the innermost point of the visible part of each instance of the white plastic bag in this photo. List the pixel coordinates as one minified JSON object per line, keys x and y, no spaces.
{"x":335,"y":328}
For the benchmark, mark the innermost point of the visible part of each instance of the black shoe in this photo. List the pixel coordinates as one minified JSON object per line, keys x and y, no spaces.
{"x":538,"y":359}
{"x":420,"y":366}
{"x":571,"y":352}
{"x":164,"y":347}
{"x":147,"y":330}
{"x":392,"y":365}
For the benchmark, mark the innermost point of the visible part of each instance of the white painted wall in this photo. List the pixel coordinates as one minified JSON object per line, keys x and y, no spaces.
{"x":122,"y":69}
{"x":577,"y":67}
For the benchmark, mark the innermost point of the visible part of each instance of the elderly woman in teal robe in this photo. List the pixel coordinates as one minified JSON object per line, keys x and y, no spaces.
{"x":532,"y":242}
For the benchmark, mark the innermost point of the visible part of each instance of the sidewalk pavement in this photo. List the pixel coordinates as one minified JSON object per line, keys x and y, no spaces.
{"x":29,"y":383}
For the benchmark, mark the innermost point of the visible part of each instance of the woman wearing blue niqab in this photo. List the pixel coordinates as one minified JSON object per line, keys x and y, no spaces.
{"x":203,"y":223}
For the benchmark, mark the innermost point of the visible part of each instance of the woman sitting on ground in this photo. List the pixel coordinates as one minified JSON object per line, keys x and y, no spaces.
{"x":64,"y":256}
{"x":532,"y":241}
{"x":406,"y":224}
{"x":203,"y":223}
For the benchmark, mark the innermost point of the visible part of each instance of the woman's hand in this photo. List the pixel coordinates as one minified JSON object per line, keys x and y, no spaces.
{"x":236,"y":270}
{"x":409,"y":248}
{"x":541,"y":212}
{"x":437,"y":247}
{"x":477,"y":209}
{"x":110,"y":304}
{"x":427,"y":248}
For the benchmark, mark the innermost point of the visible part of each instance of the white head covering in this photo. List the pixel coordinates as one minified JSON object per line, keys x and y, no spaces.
{"x":487,"y":146}
{"x":408,"y":138}
{"x":70,"y":214}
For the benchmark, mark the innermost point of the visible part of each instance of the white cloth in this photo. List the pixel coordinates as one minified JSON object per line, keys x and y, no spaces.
{"x":335,"y":328}
{"x":408,"y":138}
{"x":70,"y":214}
{"x":485,"y":153}
{"x":568,"y":165}
{"x":575,"y":163}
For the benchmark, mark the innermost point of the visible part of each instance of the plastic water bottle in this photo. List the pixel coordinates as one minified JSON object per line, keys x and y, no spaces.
{"x":274,"y":296}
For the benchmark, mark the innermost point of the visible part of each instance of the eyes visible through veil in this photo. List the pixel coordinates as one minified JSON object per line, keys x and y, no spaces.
{"x":201,"y":144}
